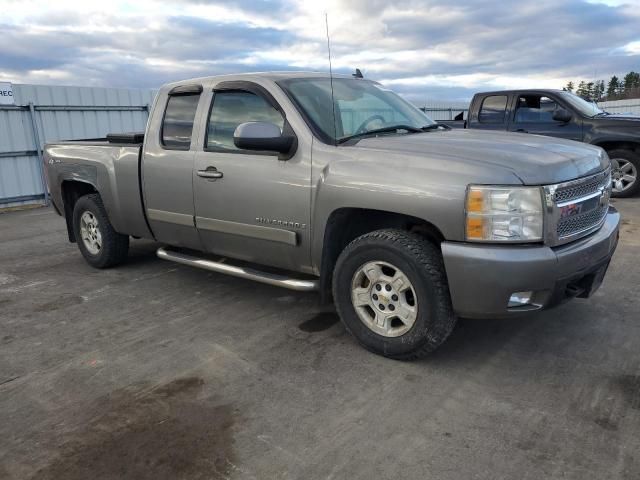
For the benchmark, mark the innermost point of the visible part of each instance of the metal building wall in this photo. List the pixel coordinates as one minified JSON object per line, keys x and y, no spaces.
{"x":49,"y":113}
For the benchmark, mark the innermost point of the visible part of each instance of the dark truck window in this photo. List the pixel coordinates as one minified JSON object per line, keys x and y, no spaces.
{"x":535,"y":109}
{"x":493,"y":109}
{"x":177,"y":124}
{"x":232,"y":108}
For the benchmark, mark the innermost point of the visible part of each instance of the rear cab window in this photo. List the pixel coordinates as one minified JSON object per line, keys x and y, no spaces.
{"x":177,"y":123}
{"x":493,"y":109}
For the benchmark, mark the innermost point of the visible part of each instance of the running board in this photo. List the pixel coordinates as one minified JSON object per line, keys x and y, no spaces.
{"x":235,"y":271}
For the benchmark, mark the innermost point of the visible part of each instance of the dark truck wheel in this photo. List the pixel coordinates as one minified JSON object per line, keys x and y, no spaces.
{"x":100,"y":244}
{"x":624,"y":172}
{"x":391,"y":291}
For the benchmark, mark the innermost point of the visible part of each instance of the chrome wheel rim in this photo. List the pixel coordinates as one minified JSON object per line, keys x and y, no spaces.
{"x":90,"y":233}
{"x":384,"y":299}
{"x":624,"y":175}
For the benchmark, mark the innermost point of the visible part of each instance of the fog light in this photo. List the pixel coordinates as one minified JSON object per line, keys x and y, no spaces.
{"x":518,"y":299}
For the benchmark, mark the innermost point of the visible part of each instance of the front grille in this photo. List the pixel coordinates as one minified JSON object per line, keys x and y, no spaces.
{"x":581,"y":223}
{"x":578,"y":190}
{"x":576,"y":208}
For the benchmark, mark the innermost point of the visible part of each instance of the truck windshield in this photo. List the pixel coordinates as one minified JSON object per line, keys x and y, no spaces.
{"x":361,"y":106}
{"x":588,"y":109}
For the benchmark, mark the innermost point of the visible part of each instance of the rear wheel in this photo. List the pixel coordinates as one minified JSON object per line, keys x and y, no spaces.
{"x":624,"y":173}
{"x":99,"y":243}
{"x":391,"y":292}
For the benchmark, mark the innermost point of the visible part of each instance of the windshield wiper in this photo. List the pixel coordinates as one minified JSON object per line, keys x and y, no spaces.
{"x":392,"y":128}
{"x":435,"y":126}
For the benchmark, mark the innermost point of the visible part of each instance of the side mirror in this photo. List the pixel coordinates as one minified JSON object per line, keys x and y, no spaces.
{"x":562,"y":115}
{"x":262,"y":136}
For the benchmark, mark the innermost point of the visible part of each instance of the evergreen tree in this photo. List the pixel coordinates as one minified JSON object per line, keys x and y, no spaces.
{"x":631,"y":80}
{"x":599,"y":90}
{"x":631,"y":85}
{"x":582,"y":90}
{"x":613,"y":89}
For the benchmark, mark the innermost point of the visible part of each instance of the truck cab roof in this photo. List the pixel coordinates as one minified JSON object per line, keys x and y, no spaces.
{"x":520,"y":90}
{"x":252,"y":76}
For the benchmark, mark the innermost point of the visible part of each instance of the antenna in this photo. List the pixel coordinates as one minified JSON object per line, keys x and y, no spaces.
{"x":333,"y":103}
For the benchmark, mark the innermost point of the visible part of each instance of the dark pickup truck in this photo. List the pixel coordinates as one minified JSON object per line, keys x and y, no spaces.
{"x":557,"y":113}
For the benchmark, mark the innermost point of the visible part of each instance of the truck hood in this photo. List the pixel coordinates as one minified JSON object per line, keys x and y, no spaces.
{"x":620,"y":121}
{"x":535,"y":159}
{"x":621,"y":117}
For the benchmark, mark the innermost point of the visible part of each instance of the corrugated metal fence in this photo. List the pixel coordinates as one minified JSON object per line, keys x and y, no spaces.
{"x":49,"y":113}
{"x":439,"y":110}
{"x":622,"y":106}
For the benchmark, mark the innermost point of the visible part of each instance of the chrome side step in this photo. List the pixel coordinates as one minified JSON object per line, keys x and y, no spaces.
{"x":235,"y":271}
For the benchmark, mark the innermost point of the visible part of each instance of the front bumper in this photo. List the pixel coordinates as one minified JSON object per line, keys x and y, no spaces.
{"x":482,"y":278}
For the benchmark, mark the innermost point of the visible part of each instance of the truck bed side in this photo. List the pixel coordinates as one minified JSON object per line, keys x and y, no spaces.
{"x":111,"y":169}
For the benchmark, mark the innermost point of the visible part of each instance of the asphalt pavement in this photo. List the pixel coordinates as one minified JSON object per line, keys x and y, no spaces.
{"x":154,"y":370}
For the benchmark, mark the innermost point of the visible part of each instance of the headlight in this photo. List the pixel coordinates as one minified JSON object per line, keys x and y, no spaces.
{"x":504,"y":214}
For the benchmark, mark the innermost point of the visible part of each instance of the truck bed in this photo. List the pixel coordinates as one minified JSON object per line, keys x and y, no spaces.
{"x":113,"y":139}
{"x":112,"y":167}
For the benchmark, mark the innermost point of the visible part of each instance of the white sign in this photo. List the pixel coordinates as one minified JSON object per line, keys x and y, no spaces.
{"x":6,"y":94}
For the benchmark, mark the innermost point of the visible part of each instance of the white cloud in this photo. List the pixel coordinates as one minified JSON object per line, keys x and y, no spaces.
{"x":421,"y":47}
{"x":632,"y":48}
{"x":615,"y":3}
{"x":479,"y":81}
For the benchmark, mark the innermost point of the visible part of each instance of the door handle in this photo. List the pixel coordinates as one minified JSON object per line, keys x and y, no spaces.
{"x":521,"y":130}
{"x":210,"y":172}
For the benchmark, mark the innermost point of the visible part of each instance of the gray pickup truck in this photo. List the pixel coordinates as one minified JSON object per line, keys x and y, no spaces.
{"x":340,"y":186}
{"x":561,"y":114}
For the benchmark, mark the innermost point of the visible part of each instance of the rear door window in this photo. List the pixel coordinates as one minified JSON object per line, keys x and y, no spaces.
{"x":493,"y":109}
{"x":177,"y":124}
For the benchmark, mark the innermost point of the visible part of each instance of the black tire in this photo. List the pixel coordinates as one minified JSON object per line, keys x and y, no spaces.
{"x":634,"y":159}
{"x":114,"y":246}
{"x":421,"y":261}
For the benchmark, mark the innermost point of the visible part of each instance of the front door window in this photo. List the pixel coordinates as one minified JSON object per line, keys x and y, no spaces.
{"x":535,"y":109}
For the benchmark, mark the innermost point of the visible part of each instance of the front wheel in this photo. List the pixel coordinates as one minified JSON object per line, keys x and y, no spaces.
{"x":99,"y":243}
{"x":392,"y":295}
{"x":625,"y":165}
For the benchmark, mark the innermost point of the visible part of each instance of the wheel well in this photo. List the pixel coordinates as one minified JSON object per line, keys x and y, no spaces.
{"x":608,"y":146}
{"x":347,"y":224}
{"x":72,"y":190}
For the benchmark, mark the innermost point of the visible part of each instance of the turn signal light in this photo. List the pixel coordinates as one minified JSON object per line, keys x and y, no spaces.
{"x":503,"y":214}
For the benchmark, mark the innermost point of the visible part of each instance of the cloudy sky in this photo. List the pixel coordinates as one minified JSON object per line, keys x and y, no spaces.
{"x":425,"y":49}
